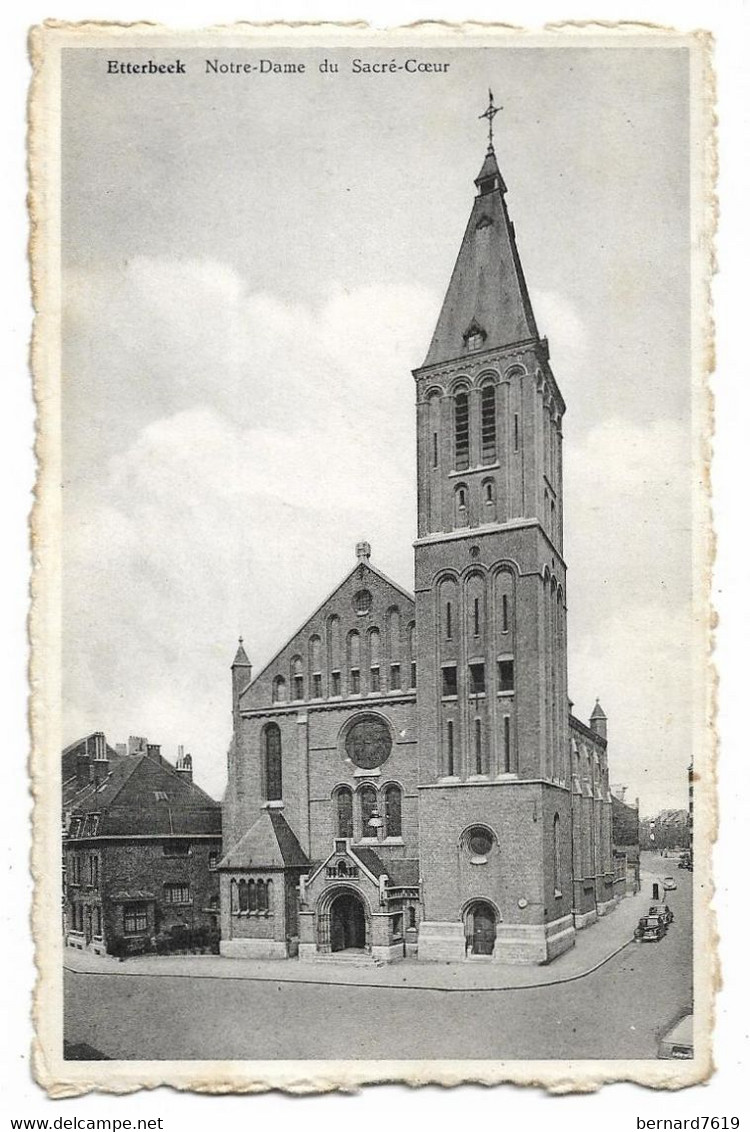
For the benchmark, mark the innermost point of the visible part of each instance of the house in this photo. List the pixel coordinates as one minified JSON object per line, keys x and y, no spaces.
{"x":141,"y":845}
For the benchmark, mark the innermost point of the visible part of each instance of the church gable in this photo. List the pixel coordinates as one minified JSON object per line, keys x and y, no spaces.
{"x":361,"y":636}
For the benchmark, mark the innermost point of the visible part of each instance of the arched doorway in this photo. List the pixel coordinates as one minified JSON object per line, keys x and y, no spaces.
{"x":347,"y":922}
{"x":481,"y":928}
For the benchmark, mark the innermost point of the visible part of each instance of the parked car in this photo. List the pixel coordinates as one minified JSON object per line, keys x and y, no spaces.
{"x":670,"y":884}
{"x":650,"y":929}
{"x":678,"y":1042}
{"x":662,"y":909}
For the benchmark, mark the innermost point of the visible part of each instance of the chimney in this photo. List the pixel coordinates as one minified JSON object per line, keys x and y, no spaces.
{"x":100,"y":765}
{"x":184,"y":764}
{"x":153,"y":750}
{"x":137,"y":745}
{"x":363,"y":550}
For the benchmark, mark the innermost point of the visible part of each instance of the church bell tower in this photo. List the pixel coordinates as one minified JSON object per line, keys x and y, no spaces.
{"x":492,"y":694}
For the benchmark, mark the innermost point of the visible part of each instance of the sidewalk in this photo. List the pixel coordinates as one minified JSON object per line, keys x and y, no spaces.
{"x":594,"y":946}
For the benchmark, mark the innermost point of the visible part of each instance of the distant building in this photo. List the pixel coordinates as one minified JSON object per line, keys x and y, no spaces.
{"x":625,"y":838}
{"x":141,"y":844}
{"x":669,"y":830}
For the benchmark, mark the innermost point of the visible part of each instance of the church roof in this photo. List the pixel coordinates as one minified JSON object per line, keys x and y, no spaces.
{"x":487,"y":294}
{"x":269,"y":843}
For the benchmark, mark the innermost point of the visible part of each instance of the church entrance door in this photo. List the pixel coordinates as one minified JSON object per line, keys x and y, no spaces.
{"x":347,"y":923}
{"x":482,"y":929}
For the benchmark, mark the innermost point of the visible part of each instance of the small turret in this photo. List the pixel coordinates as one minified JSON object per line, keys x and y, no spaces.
{"x":598,"y":721}
{"x":242,"y":671}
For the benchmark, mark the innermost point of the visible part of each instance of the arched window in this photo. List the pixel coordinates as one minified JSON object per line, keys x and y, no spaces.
{"x":411,"y":644}
{"x":489,"y":491}
{"x":334,"y":654}
{"x":392,"y":811}
{"x":269,"y":896}
{"x":298,"y":679}
{"x":368,"y":804}
{"x":450,"y":752}
{"x":557,"y":855}
{"x":461,"y":430}
{"x":234,"y":902}
{"x":273,"y":762}
{"x":279,"y":690}
{"x":344,"y":813}
{"x":489,"y":427}
{"x":373,"y":641}
{"x":244,"y":907}
{"x":478,"y":755}
{"x":353,"y":661}
{"x":316,"y":668}
{"x":461,"y":505}
{"x":394,"y":648}
{"x":261,"y":896}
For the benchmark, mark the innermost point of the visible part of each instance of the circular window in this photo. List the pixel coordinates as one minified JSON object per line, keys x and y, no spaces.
{"x":479,"y":840}
{"x":368,"y":742}
{"x":362,"y":601}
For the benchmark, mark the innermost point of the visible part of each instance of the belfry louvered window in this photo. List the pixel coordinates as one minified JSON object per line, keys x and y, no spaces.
{"x":462,"y":430}
{"x":489,"y":428}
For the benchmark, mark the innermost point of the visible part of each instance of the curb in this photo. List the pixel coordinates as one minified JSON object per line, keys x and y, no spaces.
{"x":374,"y":986}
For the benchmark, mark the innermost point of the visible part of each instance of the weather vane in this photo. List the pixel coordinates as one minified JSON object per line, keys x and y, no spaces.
{"x":489,"y":114}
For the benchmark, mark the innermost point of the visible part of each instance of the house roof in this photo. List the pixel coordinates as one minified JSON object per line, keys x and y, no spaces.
{"x":144,"y":795}
{"x":270,"y":843}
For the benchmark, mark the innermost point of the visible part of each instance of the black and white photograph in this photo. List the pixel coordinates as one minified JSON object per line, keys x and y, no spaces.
{"x":371,"y":691}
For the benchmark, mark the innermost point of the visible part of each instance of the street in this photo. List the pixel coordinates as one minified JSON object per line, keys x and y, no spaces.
{"x":619,"y":1011}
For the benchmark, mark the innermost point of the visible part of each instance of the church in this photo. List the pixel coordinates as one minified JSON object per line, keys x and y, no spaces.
{"x":405,"y":777}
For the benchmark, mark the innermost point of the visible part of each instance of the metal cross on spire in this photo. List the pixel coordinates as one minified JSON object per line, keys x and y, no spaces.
{"x":489,"y":114}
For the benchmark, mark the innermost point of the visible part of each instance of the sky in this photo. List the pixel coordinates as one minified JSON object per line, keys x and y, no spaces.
{"x":253,"y":265}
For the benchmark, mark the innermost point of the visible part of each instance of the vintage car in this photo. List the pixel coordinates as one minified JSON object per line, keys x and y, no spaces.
{"x":650,"y":929}
{"x":669,"y":884}
{"x":678,"y":1042}
{"x":662,"y":909}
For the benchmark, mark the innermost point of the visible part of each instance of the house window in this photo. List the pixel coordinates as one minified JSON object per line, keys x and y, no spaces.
{"x":450,"y":746}
{"x":344,"y":813}
{"x":262,"y":896}
{"x":272,"y":740}
{"x":177,"y":894}
{"x":135,"y":918}
{"x":213,"y":861}
{"x":395,"y":677}
{"x":177,"y":849}
{"x":506,"y":744}
{"x":97,"y":921}
{"x":335,"y":683}
{"x":243,"y":903}
{"x":392,"y":811}
{"x":461,"y":430}
{"x":450,"y":680}
{"x":368,"y":804}
{"x":476,"y":680}
{"x":353,"y":656}
{"x":505,"y":678}
{"x":489,"y":433}
{"x":75,"y":869}
{"x":94,"y":871}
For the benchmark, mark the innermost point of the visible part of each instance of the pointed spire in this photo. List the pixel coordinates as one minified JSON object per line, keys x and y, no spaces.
{"x":241,"y":658}
{"x":598,"y":720}
{"x":487,"y":304}
{"x":598,"y":712}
